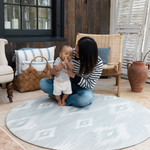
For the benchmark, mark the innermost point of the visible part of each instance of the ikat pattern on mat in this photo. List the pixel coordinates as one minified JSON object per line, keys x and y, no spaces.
{"x":108,"y":123}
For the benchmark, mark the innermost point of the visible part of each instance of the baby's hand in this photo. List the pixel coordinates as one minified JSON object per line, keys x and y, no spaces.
{"x":66,"y":61}
{"x":63,"y":63}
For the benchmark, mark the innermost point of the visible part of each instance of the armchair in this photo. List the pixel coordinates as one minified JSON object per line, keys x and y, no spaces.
{"x":6,"y":72}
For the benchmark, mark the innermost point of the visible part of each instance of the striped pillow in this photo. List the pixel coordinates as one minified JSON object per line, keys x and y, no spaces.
{"x":30,"y":53}
{"x":39,"y":66}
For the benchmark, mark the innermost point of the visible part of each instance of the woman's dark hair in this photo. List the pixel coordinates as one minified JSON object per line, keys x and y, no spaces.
{"x":88,"y":54}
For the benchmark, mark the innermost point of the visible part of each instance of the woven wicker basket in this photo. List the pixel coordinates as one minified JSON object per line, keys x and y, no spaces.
{"x":30,"y":78}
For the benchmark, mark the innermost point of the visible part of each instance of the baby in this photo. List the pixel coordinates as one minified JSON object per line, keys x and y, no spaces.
{"x":62,"y":81}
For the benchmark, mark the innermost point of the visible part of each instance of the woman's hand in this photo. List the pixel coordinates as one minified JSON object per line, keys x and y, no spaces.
{"x":54,"y":72}
{"x":70,"y":73}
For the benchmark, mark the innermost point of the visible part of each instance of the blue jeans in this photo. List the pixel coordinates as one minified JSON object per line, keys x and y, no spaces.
{"x":81,"y":96}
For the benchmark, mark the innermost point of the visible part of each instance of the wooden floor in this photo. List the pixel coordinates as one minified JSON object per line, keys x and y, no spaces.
{"x":104,"y":86}
{"x":7,"y":142}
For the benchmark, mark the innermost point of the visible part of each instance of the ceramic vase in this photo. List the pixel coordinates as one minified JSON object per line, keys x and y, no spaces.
{"x":137,"y":75}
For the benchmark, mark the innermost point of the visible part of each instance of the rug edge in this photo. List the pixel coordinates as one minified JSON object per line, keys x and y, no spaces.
{"x":12,"y":138}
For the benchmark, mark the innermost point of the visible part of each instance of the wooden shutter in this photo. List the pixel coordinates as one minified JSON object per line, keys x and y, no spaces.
{"x":130,"y":18}
{"x":146,"y":47}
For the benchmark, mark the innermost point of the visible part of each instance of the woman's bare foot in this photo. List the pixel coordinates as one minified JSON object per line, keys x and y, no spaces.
{"x":51,"y":96}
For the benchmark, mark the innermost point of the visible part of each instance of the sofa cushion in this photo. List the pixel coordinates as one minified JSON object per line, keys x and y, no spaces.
{"x":6,"y":74}
{"x":4,"y":70}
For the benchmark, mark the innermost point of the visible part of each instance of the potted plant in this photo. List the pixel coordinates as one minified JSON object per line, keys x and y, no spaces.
{"x":138,"y":74}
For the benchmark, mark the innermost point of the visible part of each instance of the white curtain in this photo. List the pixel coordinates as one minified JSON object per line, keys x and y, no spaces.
{"x":113,"y":19}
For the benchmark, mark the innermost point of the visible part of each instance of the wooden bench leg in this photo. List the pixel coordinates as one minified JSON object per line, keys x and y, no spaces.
{"x":9,"y":87}
{"x":119,"y":82}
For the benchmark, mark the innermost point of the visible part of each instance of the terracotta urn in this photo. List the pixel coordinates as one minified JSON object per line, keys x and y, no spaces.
{"x":137,"y":75}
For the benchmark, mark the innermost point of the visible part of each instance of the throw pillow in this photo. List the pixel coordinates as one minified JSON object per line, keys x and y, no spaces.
{"x":30,"y":53}
{"x":104,"y":54}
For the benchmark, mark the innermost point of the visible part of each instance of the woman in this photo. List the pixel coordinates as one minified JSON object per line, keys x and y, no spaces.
{"x":86,"y":72}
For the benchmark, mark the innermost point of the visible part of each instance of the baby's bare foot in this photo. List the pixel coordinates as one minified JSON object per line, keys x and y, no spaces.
{"x":59,"y":103}
{"x":63,"y":103}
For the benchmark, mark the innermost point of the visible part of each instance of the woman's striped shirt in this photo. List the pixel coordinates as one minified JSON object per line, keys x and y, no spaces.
{"x":89,"y":80}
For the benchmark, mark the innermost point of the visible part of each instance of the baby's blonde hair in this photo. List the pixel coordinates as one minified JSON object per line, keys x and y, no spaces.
{"x":66,"y":46}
